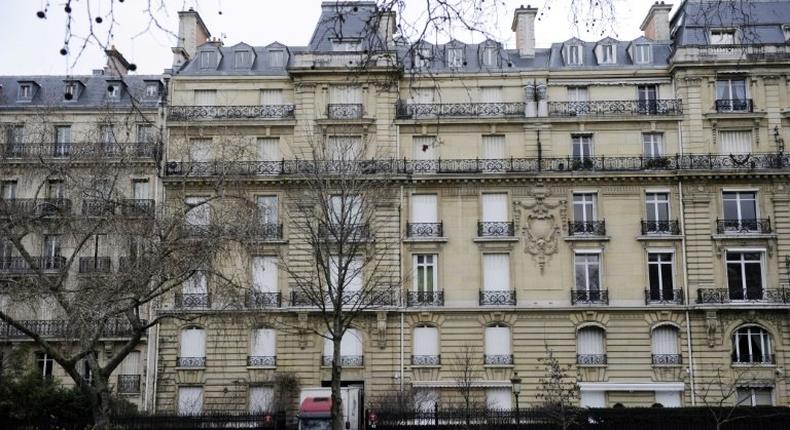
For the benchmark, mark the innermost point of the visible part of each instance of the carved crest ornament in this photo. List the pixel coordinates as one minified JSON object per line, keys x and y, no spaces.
{"x":541,"y":227}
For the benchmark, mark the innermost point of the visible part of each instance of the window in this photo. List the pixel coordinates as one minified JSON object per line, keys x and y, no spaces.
{"x":735,"y":142}
{"x":608,"y":54}
{"x":497,"y":345}
{"x":660,"y":276}
{"x":425,"y":346}
{"x":422,"y":57}
{"x":495,"y":207}
{"x":493,"y":149}
{"x":269,"y":149}
{"x":755,"y":396}
{"x":113,"y":91}
{"x":642,"y":54}
{"x":141,"y":190}
{"x":344,"y":148}
{"x":8,"y":190}
{"x":56,"y":190}
{"x":584,"y":207}
{"x":264,"y":274}
{"x":70,"y":92}
{"x":425,"y":273}
{"x":424,"y":208}
{"x":45,"y":364}
{"x":196,"y":286}
{"x":722,"y":36}
{"x":577,"y":94}
{"x":653,"y":144}
{"x":205,"y":97}
{"x":15,"y":140}
{"x":745,"y":275}
{"x":786,"y":31}
{"x":190,"y":400}
{"x":740,"y":211}
{"x":455,"y":57}
{"x":268,"y":209}
{"x":207,"y":60}
{"x":25,"y":92}
{"x":263,"y":347}
{"x":198,"y":211}
{"x":490,"y":56}
{"x":276,"y":58}
{"x":664,"y":342}
{"x":346,"y":45}
{"x":192,"y":351}
{"x":200,"y":150}
{"x":590,"y":346}
{"x":496,"y":272}
{"x":426,"y":399}
{"x":271,"y":97}
{"x":84,"y":369}
{"x":242,"y":59}
{"x":51,"y":252}
{"x":62,"y":141}
{"x":424,"y":150}
{"x":499,"y":399}
{"x":260,"y":399}
{"x":731,"y":95}
{"x":573,"y":55}
{"x":491,"y":95}
{"x":345,"y":211}
{"x":145,"y":133}
{"x":345,"y":94}
{"x":581,"y":147}
{"x":107,"y":138}
{"x":657,"y":209}
{"x":350,"y":349}
{"x":152,"y":90}
{"x":752,"y":344}
{"x":130,"y":364}
{"x":588,"y":276}
{"x":352,"y":278}
{"x":648,"y":99}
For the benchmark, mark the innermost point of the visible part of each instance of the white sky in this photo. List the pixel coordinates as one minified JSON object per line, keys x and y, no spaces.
{"x":31,"y":45}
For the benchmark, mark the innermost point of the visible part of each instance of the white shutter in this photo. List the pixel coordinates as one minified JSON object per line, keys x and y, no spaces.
{"x":261,"y":399}
{"x":424,"y":148}
{"x":493,"y":147}
{"x":497,"y":341}
{"x":345,"y":95}
{"x":426,"y":341}
{"x":665,"y":340}
{"x":140,"y":190}
{"x":193,"y":342}
{"x":590,"y":341}
{"x":271,"y":97}
{"x":496,"y":272}
{"x":198,"y":214}
{"x":346,"y":148}
{"x":196,"y":284}
{"x":205,"y":97}
{"x":268,"y":209}
{"x":494,"y":207}
{"x":577,"y":94}
{"x":269,"y":149}
{"x":200,"y":150}
{"x":592,"y":399}
{"x":499,"y":399}
{"x":491,"y":94}
{"x":668,"y":399}
{"x":353,"y":278}
{"x":735,"y":142}
{"x":130,"y":364}
{"x":422,"y":95}
{"x":264,"y":343}
{"x":190,"y":400}
{"x":264,"y":274}
{"x":423,"y":208}
{"x":351,"y":343}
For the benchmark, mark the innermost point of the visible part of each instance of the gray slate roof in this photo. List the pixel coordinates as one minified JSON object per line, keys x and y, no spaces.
{"x":757,"y":21}
{"x":92,"y":91}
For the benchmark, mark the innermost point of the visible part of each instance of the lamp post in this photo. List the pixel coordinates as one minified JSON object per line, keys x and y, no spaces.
{"x":515,"y":382}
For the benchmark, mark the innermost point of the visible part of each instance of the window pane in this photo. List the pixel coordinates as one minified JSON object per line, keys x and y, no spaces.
{"x":754,"y":285}
{"x":735,"y":281}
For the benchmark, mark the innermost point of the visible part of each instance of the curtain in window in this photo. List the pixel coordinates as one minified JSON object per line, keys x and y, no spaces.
{"x":345,"y":95}
{"x":590,"y":341}
{"x":268,"y":149}
{"x":200,"y":150}
{"x":264,"y":343}
{"x":271,"y":97}
{"x":193,"y":342}
{"x":491,"y":94}
{"x":350,"y":345}
{"x":735,"y":142}
{"x":665,"y":340}
{"x":496,"y":272}
{"x":423,"y":208}
{"x":497,"y":341}
{"x":268,"y":209}
{"x":499,"y":398}
{"x":260,"y":399}
{"x":493,"y":147}
{"x":264,"y":274}
{"x":426,"y":341}
{"x":495,"y":207}
{"x":130,"y":364}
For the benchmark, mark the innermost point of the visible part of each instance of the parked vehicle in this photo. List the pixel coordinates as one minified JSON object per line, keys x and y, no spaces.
{"x":315,"y":406}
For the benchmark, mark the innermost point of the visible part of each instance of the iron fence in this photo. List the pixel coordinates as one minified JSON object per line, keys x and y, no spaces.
{"x":661,"y":107}
{"x":236,"y":112}
{"x":191,"y":362}
{"x":734,"y":105}
{"x":344,"y":110}
{"x":21,"y":265}
{"x":666,"y":359}
{"x":128,"y":384}
{"x":35,"y":207}
{"x":587,"y":228}
{"x":754,"y":295}
{"x":405,"y":110}
{"x":670,"y":227}
{"x":261,"y":360}
{"x":79,"y":150}
{"x":591,"y":359}
{"x":498,"y":359}
{"x":115,"y":328}
{"x":95,"y":265}
{"x":138,"y":208}
{"x":345,"y":360}
{"x":192,"y":301}
{"x":260,"y":299}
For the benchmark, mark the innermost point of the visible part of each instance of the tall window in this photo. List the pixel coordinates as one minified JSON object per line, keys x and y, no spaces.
{"x":268,"y":209}
{"x":8,"y":190}
{"x":495,"y":207}
{"x":263,"y":348}
{"x":496,"y":272}
{"x":722,"y":36}
{"x":51,"y":252}
{"x":15,"y":140}
{"x":190,"y":400}
{"x":192,"y":352}
{"x":497,"y":345}
{"x":755,"y":396}
{"x":45,"y":364}
{"x":345,"y":210}
{"x":264,"y":274}
{"x":141,"y":189}
{"x":455,"y":57}
{"x":422,"y":57}
{"x":344,"y":148}
{"x":205,"y":97}
{"x":573,"y":55}
{"x":114,"y":91}
{"x":657,"y":207}
{"x":25,"y":92}
{"x":260,"y":399}
{"x":584,"y":207}
{"x":581,"y":146}
{"x":130,"y":364}
{"x":424,"y":148}
{"x":731,"y":95}
{"x":664,"y":342}
{"x":642,"y":54}
{"x":351,"y":350}
{"x":491,"y":95}
{"x":271,"y":97}
{"x":490,"y":56}
{"x":200,"y":150}
{"x":499,"y":399}
{"x":659,"y":268}
{"x":208,"y":60}
{"x":752,"y":344}
{"x":269,"y":149}
{"x":195,"y":285}
{"x":588,"y":275}
{"x":424,"y":208}
{"x":242,"y":59}
{"x":608,"y":54}
{"x":578,"y":94}
{"x":425,"y":346}
{"x":425,"y":273}
{"x":745,"y":275}
{"x":653,"y":144}
{"x":145,"y":133}
{"x":740,"y":210}
{"x":590,"y":346}
{"x":648,"y":98}
{"x":276,"y":58}
{"x":735,"y":142}
{"x":70,"y":92}
{"x":345,"y":94}
{"x":353,"y":278}
{"x":62,"y":140}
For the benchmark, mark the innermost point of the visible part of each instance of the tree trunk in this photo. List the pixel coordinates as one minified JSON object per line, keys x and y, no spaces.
{"x":337,"y":407}
{"x":100,"y":402}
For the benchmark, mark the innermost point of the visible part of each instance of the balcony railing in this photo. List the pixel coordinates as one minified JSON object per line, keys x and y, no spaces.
{"x":349,"y":232}
{"x":370,"y":298}
{"x":663,"y":297}
{"x":138,"y":208}
{"x":19,"y":265}
{"x":424,"y":298}
{"x":95,"y":264}
{"x":498,"y":298}
{"x":192,"y":301}
{"x":191,"y":362}
{"x":743,"y":226}
{"x":345,"y":360}
{"x":659,"y":227}
{"x":734,"y":105}
{"x":666,"y":359}
{"x":498,"y":359}
{"x":237,"y":112}
{"x":591,"y":359}
{"x":589,"y":297}
{"x":261,"y":361}
{"x":128,"y":384}
{"x":426,"y":360}
{"x":495,"y":229}
{"x":258,"y":300}
{"x":267,"y":231}
{"x":98,"y":208}
{"x":587,"y":228}
{"x":344,"y":110}
{"x":79,"y":150}
{"x":753,"y":359}
{"x":616,"y":108}
{"x":458,"y":110}
{"x":59,"y":328}
{"x":34,"y":207}
{"x":424,"y":229}
{"x":756,"y":295}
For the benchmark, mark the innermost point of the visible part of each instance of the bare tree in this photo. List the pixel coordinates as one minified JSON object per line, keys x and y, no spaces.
{"x":558,"y":392}
{"x":465,"y":368}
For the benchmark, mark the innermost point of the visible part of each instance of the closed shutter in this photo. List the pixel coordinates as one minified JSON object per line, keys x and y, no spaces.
{"x":193,"y":342}
{"x":424,"y":148}
{"x":590,"y":341}
{"x":200,"y":150}
{"x":190,"y":400}
{"x":130,"y":364}
{"x":422,"y":95}
{"x":499,"y":399}
{"x":353,"y":279}
{"x":494,"y":207}
{"x":196,"y":284}
{"x":665,"y":341}
{"x":496,"y":272}
{"x":205,"y":97}
{"x":426,"y":341}
{"x":268,"y":209}
{"x":497,"y":341}
{"x":668,"y":399}
{"x":493,"y":147}
{"x":423,"y":208}
{"x":271,"y":97}
{"x":577,"y":94}
{"x":345,"y":95}
{"x":141,"y":190}
{"x":763,"y":397}
{"x":351,"y":344}
{"x":491,"y":94}
{"x":592,"y":399}
{"x":735,"y":142}
{"x":198,"y":212}
{"x":264,"y":343}
{"x":261,"y":399}
{"x":264,"y":274}
{"x":345,"y":148}
{"x":269,"y":149}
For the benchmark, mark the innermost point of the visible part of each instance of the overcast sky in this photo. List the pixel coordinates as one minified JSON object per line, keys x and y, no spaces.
{"x":31,"y":45}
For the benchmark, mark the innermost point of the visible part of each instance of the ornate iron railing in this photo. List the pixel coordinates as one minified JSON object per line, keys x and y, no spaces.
{"x":350,"y":232}
{"x":344,"y":110}
{"x":59,"y":328}
{"x":192,"y":300}
{"x":760,"y":295}
{"x":370,"y":298}
{"x":261,"y":360}
{"x":128,"y":384}
{"x":35,"y":207}
{"x":734,"y":105}
{"x":424,"y":229}
{"x":616,"y":108}
{"x":79,"y":150}
{"x":98,"y":208}
{"x":668,"y":227}
{"x":666,"y":359}
{"x":497,"y":298}
{"x":258,"y":300}
{"x":268,"y":231}
{"x":587,"y":228}
{"x":661,"y":297}
{"x":19,"y":265}
{"x":448,"y":110}
{"x":426,"y":360}
{"x":591,"y":359}
{"x":138,"y":208}
{"x":756,"y":358}
{"x":498,"y":359}
{"x":495,"y":229}
{"x":95,"y":265}
{"x":345,"y":360}
{"x":751,"y":225}
{"x":424,"y":298}
{"x":589,"y":297}
{"x":191,"y":362}
{"x":238,"y":112}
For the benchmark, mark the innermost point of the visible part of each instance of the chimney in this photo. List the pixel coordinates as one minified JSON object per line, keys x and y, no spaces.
{"x":192,"y":32}
{"x":656,"y":23}
{"x":524,"y":26}
{"x":386,"y":28}
{"x":116,"y":64}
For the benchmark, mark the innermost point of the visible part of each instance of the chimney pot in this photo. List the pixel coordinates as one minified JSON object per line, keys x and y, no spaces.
{"x":656,"y":23}
{"x":524,"y":26}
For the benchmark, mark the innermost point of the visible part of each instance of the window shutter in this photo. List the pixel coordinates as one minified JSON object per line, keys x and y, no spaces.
{"x":668,"y":399}
{"x":271,"y":97}
{"x":196,"y":284}
{"x":499,"y":399}
{"x":735,"y":142}
{"x":426,"y":341}
{"x":763,"y":397}
{"x":193,"y":342}
{"x":590,"y":341}
{"x":140,"y":190}
{"x":592,"y":399}
{"x":190,"y":400}
{"x":497,"y":341}
{"x":268,"y":209}
{"x":496,"y":272}
{"x":264,"y":274}
{"x":424,"y":148}
{"x":351,"y":344}
{"x":261,"y":399}
{"x":494,"y":207}
{"x":198,"y":214}
{"x":205,"y":97}
{"x":665,"y":340}
{"x":200,"y":150}
{"x":423,"y":208}
{"x":268,"y":149}
{"x":264,"y":343}
{"x":494,"y":147}
{"x":130,"y":364}
{"x":491,"y":94}
{"x":422,"y":95}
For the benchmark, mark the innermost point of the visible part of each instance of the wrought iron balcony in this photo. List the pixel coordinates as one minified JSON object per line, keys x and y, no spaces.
{"x":458,"y":110}
{"x":587,"y":228}
{"x":138,"y":208}
{"x":236,"y":112}
{"x":261,"y":361}
{"x":369,"y":298}
{"x":191,"y":362}
{"x":660,"y":227}
{"x":497,"y":298}
{"x":192,"y":301}
{"x":743,"y":226}
{"x":495,"y":229}
{"x":591,"y":359}
{"x":344,"y":233}
{"x":426,"y":360}
{"x":498,"y":359}
{"x":756,"y":295}
{"x":424,"y":298}
{"x":345,"y":360}
{"x":98,"y":208}
{"x":95,"y":265}
{"x":258,"y":300}
{"x":424,"y":229}
{"x":115,"y":328}
{"x":34,"y":207}
{"x":19,"y":265}
{"x":268,"y":231}
{"x":663,"y":297}
{"x":132,"y":264}
{"x":616,"y":108}
{"x":666,"y":359}
{"x":344,"y":110}
{"x":734,"y":105}
{"x":128,"y":384}
{"x":80,"y":150}
{"x":589,"y":297}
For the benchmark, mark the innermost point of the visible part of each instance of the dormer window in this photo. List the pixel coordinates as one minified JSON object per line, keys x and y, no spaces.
{"x":422,"y":58}
{"x":25,"y":92}
{"x":152,"y":90}
{"x":242,"y":59}
{"x":277,"y":58}
{"x":70,"y":92}
{"x":573,"y":55}
{"x":455,"y":57}
{"x":722,"y":36}
{"x":786,"y":31}
{"x":608,"y":54}
{"x":345,"y":45}
{"x":114,"y":91}
{"x":207,"y":60}
{"x":642,"y":54}
{"x":490,"y":56}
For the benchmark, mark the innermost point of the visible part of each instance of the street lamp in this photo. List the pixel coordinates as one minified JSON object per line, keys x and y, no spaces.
{"x":515,"y":382}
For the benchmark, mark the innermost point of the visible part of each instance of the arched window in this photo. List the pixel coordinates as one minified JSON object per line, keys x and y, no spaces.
{"x":497,"y":344}
{"x":425,"y":347}
{"x":665,"y":345}
{"x":590,"y":346}
{"x":751,"y":344}
{"x":193,"y":348}
{"x":351,"y":354}
{"x":263,"y":348}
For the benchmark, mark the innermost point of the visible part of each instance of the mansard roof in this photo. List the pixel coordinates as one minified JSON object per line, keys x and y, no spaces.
{"x":50,"y":90}
{"x":756,"y":21}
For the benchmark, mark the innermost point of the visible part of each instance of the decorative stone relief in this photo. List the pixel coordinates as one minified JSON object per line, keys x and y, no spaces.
{"x":380,"y":330}
{"x":541,"y":225}
{"x":303,"y":330}
{"x":711,"y":327}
